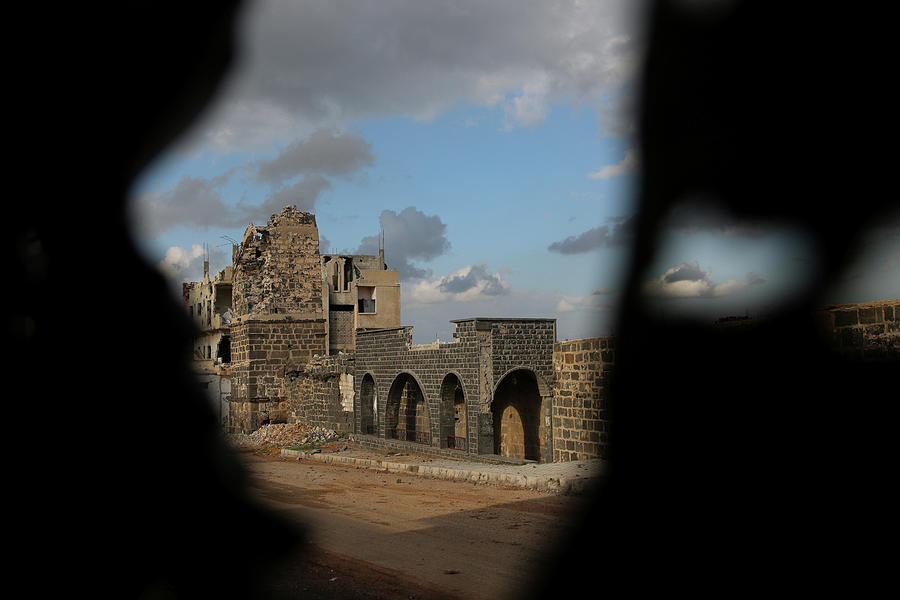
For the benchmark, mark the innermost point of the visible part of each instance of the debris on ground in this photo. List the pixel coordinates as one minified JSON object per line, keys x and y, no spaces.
{"x":283,"y":435}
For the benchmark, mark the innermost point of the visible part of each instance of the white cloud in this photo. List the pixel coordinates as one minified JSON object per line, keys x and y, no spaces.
{"x":600,"y":300}
{"x":179,"y":263}
{"x":688,"y":280}
{"x":467,"y":284}
{"x":303,"y":65}
{"x":626,"y":165}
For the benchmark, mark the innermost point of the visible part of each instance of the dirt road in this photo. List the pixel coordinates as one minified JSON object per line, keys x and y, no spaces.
{"x":380,"y":535}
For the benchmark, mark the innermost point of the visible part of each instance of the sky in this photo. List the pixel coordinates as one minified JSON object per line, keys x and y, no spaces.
{"x":493,"y":143}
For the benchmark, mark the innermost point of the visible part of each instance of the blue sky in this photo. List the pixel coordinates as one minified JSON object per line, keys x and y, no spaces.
{"x":495,"y":145}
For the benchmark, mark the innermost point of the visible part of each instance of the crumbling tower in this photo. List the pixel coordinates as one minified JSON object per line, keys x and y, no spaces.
{"x":279,"y":319}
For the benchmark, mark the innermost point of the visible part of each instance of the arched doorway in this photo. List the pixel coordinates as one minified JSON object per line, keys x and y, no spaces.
{"x":453,"y":413}
{"x":368,"y":406}
{"x":406,"y":413}
{"x":517,"y":410}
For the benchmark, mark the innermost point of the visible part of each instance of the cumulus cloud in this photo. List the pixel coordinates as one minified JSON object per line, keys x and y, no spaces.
{"x":626,"y":165}
{"x":685,"y":218}
{"x":598,"y":237}
{"x":308,"y":62}
{"x":467,"y":284}
{"x":410,"y":236}
{"x":600,"y":300}
{"x":302,"y":194}
{"x":324,"y":152}
{"x":193,"y":202}
{"x":182,"y":264}
{"x":688,"y":280}
{"x":198,"y":201}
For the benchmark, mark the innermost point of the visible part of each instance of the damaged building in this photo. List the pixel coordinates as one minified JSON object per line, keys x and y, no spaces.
{"x":299,"y":336}
{"x":287,"y":334}
{"x":209,"y":305}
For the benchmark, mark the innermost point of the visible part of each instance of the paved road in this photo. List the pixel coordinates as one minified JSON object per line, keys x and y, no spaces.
{"x":443,"y":538}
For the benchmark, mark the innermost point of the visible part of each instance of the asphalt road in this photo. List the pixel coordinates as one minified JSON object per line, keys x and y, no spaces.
{"x":384,"y":535}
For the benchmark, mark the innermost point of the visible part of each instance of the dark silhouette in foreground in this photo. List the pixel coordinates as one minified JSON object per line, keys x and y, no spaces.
{"x":749,"y":455}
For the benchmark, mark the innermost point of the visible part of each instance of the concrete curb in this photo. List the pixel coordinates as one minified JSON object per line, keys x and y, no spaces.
{"x":537,"y":482}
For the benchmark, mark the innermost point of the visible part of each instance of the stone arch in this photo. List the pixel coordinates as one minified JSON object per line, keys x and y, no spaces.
{"x":406,"y":411}
{"x":518,"y":408}
{"x":368,"y":405}
{"x":453,"y":412}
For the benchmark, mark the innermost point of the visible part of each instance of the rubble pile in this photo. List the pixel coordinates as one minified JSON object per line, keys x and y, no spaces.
{"x":282,"y":435}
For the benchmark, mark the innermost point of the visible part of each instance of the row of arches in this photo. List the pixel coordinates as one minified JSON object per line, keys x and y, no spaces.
{"x":516,"y":412}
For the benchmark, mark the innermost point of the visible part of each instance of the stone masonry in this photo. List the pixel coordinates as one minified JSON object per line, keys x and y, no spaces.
{"x":321,"y":394}
{"x":870,"y":330}
{"x":279,"y":320}
{"x":483,"y":354}
{"x":581,"y":372}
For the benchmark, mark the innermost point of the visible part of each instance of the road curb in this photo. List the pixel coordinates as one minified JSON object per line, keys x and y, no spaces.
{"x":537,"y":482}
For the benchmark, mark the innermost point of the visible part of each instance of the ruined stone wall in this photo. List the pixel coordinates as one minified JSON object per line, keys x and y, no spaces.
{"x":869,"y":330}
{"x":581,"y":376}
{"x":321,"y":394}
{"x":263,"y":352}
{"x":277,"y":268}
{"x":279,"y":320}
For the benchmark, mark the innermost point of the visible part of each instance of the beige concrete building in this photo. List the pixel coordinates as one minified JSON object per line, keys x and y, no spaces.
{"x":360,"y":293}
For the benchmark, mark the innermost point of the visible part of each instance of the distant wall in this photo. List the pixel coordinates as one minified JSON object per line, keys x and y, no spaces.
{"x":867,"y":330}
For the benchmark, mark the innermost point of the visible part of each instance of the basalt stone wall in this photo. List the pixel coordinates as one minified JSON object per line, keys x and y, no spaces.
{"x":870,"y":330}
{"x":485,"y":351}
{"x":386,"y":353}
{"x":321,"y":394}
{"x":263,"y":353}
{"x":581,"y":375}
{"x":247,"y":417}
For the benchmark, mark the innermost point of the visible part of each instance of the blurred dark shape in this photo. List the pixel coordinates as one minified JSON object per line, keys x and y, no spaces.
{"x":745,"y":460}
{"x":122,"y":484}
{"x":748,"y":459}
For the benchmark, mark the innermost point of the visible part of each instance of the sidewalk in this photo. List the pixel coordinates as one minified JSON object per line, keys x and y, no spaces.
{"x":564,"y":477}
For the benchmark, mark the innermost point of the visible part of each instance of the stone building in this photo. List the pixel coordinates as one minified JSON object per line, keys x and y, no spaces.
{"x":315,"y":338}
{"x":292,"y":335}
{"x":280,"y":305}
{"x":502,"y":387}
{"x":362,"y":293}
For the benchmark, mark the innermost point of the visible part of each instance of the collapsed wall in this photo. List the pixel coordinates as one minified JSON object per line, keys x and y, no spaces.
{"x":321,"y":393}
{"x":279,"y":319}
